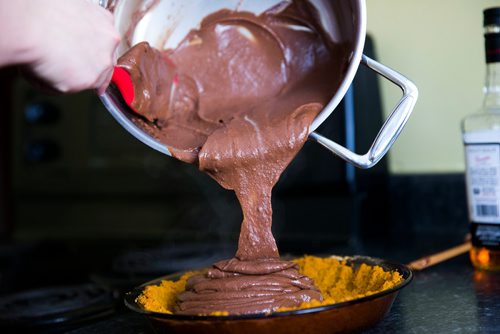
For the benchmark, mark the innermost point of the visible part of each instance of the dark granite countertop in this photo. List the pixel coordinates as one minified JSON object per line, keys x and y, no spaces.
{"x":450,"y":297}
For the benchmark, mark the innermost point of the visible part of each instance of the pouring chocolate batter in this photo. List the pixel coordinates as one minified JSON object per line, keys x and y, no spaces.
{"x":237,"y":97}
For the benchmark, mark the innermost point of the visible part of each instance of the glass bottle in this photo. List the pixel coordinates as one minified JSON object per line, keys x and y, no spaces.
{"x":481,"y":135}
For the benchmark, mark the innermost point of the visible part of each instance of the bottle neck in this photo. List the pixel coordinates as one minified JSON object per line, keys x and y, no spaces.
{"x":492,"y":87}
{"x":492,"y":53}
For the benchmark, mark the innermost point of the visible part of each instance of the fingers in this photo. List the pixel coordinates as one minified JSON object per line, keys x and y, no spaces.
{"x":103,"y":81}
{"x":81,"y":50}
{"x":104,"y":78}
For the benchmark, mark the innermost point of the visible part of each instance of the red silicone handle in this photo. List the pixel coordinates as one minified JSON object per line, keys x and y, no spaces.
{"x":121,"y":78}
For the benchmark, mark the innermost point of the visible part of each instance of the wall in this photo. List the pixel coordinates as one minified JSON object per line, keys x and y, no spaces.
{"x":439,"y":45}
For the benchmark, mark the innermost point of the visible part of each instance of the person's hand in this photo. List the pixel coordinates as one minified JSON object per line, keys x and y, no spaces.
{"x":68,"y":44}
{"x":75,"y":43}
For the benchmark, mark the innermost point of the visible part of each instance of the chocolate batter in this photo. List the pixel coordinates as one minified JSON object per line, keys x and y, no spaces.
{"x":237,"y":97}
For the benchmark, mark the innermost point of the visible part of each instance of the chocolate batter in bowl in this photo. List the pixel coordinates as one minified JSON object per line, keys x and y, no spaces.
{"x":165,"y":23}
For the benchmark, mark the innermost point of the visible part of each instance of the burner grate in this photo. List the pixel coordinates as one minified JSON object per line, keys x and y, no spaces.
{"x":55,"y":306}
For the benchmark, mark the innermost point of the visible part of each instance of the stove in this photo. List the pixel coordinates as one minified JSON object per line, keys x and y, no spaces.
{"x":54,"y":309}
{"x":37,"y":303}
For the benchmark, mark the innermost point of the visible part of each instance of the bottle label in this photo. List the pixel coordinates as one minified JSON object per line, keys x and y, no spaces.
{"x":482,"y":152}
{"x":483,"y":171}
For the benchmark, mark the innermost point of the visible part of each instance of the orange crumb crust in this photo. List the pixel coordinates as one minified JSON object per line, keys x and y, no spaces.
{"x":337,"y":281}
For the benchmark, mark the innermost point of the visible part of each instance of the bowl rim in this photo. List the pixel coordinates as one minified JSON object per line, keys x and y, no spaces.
{"x":131,"y":296}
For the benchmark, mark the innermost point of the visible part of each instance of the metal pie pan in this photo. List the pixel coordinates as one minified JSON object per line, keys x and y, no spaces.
{"x":346,"y":317}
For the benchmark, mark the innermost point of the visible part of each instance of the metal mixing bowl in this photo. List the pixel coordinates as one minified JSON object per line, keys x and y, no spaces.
{"x":168,"y":21}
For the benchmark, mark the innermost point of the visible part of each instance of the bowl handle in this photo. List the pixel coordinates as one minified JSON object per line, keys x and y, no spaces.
{"x":390,"y":129}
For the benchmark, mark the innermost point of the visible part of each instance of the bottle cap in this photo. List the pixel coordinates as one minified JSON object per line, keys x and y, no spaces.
{"x":492,"y":34}
{"x":491,"y":16}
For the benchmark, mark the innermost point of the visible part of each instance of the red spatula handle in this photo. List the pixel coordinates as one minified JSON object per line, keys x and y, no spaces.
{"x":122,"y":80}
